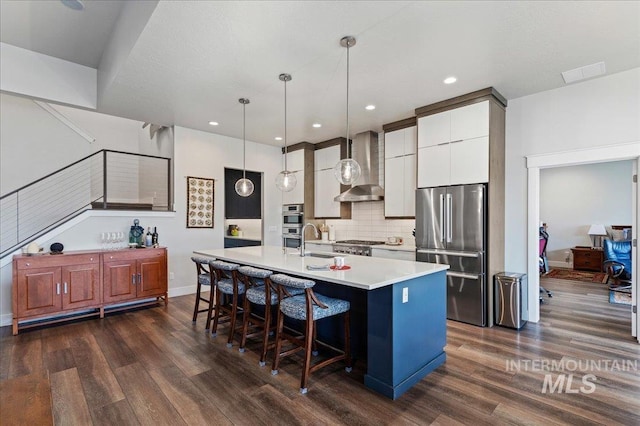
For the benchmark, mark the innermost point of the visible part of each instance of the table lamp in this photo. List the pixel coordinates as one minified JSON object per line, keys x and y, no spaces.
{"x":597,"y":232}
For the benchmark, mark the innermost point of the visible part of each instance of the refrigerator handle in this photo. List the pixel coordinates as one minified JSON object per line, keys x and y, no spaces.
{"x":442,"y":222}
{"x":449,"y":217}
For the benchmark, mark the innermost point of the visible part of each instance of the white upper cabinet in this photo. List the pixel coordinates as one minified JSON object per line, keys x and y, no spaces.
{"x":400,"y":172}
{"x":295,"y":163}
{"x":434,"y":129}
{"x":453,"y":146}
{"x":470,"y":122}
{"x":326,"y":186}
{"x":295,"y":160}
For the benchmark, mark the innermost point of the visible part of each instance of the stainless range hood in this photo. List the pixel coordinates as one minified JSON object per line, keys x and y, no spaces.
{"x":365,"y":151}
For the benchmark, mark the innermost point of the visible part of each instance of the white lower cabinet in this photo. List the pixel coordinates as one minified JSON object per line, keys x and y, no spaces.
{"x":393,"y":254}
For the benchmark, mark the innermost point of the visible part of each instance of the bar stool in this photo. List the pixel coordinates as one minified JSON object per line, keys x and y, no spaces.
{"x":227,"y":286}
{"x":205,"y":277}
{"x":308,"y":307}
{"x":259,"y":291}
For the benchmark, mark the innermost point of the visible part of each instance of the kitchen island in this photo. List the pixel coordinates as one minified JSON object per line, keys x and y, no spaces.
{"x":402,"y":305}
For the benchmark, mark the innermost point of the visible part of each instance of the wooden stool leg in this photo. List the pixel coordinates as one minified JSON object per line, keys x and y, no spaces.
{"x":234,"y":314}
{"x":265,"y":334}
{"x":195,"y":309}
{"x":309,"y":341}
{"x":278,"y":348}
{"x":212,"y":301}
{"x":216,"y":315}
{"x":246,"y":316}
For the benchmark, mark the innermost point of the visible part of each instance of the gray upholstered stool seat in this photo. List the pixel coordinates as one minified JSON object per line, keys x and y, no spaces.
{"x":296,"y":307}
{"x":228,"y":288}
{"x":299,"y":307}
{"x":205,"y":277}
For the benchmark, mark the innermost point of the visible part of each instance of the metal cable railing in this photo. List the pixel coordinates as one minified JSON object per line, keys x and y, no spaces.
{"x":106,"y":180}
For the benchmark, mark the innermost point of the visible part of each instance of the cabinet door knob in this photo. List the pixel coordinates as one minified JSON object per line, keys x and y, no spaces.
{"x":27,"y":264}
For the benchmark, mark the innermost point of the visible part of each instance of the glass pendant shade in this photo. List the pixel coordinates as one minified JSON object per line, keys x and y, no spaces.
{"x":347,"y":171}
{"x":244,"y":187}
{"x":286,"y":181}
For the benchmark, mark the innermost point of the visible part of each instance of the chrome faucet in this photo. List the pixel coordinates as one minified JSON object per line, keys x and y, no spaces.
{"x":302,"y":236}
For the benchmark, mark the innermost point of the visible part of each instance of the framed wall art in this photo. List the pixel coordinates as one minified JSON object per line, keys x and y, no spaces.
{"x":200,"y":195}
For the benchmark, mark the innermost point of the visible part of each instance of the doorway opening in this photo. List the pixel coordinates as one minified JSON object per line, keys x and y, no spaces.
{"x":584,"y":156}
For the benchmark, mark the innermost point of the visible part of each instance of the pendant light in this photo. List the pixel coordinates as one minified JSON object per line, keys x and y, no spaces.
{"x":347,"y":171}
{"x":244,"y":186}
{"x":286,"y":180}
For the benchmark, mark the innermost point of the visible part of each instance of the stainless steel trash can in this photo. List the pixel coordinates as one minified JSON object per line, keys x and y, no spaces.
{"x":511,"y":302}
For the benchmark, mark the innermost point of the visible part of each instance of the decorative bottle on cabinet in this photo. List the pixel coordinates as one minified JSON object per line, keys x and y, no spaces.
{"x":148,"y":241}
{"x":154,"y":237}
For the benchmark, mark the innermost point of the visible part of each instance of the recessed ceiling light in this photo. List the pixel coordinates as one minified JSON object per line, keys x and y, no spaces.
{"x":213,"y":123}
{"x":450,"y":80}
{"x":370,"y":107}
{"x":73,"y":4}
{"x":317,"y":125}
{"x":278,"y":138}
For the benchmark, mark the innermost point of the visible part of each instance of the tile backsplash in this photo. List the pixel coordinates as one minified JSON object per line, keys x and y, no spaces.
{"x":368,"y":223}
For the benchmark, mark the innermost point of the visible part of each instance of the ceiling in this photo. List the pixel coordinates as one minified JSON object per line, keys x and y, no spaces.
{"x":186,"y":63}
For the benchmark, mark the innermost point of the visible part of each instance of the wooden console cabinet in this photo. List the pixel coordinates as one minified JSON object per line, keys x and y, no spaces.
{"x":587,"y":259}
{"x":47,"y":288}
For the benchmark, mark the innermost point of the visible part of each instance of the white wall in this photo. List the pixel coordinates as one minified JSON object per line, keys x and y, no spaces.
{"x":196,"y":154}
{"x":33,"y":143}
{"x":595,"y":113}
{"x":573,"y":198}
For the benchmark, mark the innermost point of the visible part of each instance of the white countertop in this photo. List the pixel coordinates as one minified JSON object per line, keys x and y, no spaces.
{"x":366,"y":273}
{"x":399,"y":247}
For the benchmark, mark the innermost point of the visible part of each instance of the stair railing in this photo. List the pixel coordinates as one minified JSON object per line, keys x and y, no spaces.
{"x":106,"y":179}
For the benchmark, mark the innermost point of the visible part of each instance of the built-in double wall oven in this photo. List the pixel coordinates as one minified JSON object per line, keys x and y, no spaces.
{"x":292,"y":221}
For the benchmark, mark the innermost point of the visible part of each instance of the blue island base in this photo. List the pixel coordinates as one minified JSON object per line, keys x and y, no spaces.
{"x":393,"y":392}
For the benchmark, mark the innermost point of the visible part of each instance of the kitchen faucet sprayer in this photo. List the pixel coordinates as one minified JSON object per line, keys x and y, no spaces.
{"x":302,"y":239}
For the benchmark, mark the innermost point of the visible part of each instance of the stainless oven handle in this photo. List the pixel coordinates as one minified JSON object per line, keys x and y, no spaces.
{"x":292,"y":236}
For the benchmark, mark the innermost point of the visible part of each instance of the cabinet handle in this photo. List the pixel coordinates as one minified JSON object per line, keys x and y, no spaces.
{"x":57,"y":288}
{"x":27,"y":264}
{"x":133,"y":279}
{"x":65,"y":288}
{"x":443,"y":143}
{"x":91,"y":258}
{"x":139,"y":278}
{"x":459,"y":140}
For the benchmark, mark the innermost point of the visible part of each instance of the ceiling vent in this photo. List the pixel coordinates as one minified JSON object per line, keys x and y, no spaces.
{"x":582,"y":73}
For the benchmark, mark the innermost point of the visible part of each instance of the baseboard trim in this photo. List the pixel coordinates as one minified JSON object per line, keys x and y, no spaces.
{"x":6,"y":319}
{"x":182,"y":291}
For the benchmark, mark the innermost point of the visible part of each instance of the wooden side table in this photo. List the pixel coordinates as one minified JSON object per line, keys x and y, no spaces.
{"x":587,"y":259}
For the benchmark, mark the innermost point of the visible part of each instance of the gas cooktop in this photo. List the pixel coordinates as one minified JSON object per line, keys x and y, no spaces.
{"x":360,"y":242}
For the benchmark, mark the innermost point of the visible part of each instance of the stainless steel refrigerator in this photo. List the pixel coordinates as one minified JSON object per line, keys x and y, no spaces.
{"x":451,"y":228}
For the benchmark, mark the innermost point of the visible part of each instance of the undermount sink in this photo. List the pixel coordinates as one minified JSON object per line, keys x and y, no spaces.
{"x":323,"y":255}
{"x":317,"y":254}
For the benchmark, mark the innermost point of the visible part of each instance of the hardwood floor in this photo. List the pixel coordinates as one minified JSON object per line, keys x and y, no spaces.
{"x":152,"y":366}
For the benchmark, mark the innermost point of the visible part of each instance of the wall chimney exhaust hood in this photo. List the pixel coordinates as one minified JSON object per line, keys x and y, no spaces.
{"x":364,"y":150}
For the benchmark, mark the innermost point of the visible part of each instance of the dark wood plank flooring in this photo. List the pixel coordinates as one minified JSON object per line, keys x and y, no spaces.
{"x":152,"y":366}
